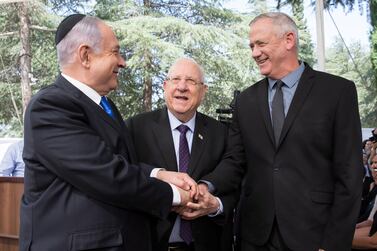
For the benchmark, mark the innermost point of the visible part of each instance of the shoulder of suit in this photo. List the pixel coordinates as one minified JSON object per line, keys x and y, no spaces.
{"x":329,"y":77}
{"x":330,"y":81}
{"x":49,"y":92}
{"x":210,"y":121}
{"x":252,"y":88}
{"x":146,"y":115}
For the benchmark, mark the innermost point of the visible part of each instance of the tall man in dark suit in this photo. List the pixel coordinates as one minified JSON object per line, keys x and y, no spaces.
{"x":83,"y":190}
{"x":156,"y":137}
{"x":296,"y":140}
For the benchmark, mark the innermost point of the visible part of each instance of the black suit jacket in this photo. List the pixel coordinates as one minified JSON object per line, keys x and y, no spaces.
{"x":81,"y":189}
{"x":152,"y":137}
{"x":310,"y":183}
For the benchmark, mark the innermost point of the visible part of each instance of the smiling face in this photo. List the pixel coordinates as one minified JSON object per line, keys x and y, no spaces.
{"x":182,"y":95}
{"x":105,"y":65}
{"x":273,"y":52}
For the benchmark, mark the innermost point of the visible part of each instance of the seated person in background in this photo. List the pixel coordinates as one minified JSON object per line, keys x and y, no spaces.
{"x":365,"y":237}
{"x":12,"y":163}
{"x":373,"y":151}
{"x":368,"y":179}
{"x":369,"y":194}
{"x":367,"y":146}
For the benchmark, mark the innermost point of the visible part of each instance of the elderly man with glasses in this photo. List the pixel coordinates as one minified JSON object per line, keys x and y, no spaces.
{"x":180,"y":138}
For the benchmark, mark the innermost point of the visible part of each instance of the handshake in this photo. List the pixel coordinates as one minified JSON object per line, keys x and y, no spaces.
{"x":196,"y":200}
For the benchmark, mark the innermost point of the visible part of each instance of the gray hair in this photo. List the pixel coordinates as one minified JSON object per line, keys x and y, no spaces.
{"x":201,"y":70}
{"x":84,"y":32}
{"x":282,"y":21}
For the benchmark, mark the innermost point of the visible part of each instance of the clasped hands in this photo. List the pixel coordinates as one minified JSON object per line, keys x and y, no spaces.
{"x":196,"y":200}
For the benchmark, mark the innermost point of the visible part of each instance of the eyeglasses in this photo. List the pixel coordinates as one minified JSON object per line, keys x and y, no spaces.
{"x":177,"y":80}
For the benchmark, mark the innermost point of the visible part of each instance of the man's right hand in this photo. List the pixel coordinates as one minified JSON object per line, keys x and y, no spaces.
{"x":181,"y":180}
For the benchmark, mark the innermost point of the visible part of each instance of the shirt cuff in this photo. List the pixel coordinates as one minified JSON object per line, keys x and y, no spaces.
{"x":176,"y":196}
{"x":220,"y":209}
{"x":211,"y":187}
{"x":155,"y":171}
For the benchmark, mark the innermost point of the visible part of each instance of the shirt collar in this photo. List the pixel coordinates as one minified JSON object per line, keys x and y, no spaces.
{"x":174,"y":122}
{"x":291,"y":79}
{"x":88,"y":91}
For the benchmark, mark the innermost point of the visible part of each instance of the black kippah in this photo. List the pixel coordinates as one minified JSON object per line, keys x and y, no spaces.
{"x":66,"y":25}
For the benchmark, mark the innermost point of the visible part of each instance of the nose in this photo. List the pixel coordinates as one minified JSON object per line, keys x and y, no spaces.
{"x":182,"y":85}
{"x":121,"y":62}
{"x":255,"y":52}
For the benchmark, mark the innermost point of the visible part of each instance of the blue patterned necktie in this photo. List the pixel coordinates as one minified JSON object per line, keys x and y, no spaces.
{"x":106,"y":106}
{"x":277,"y":111}
{"x":184,"y":158}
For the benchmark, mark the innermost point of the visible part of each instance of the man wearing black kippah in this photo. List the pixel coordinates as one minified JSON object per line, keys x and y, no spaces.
{"x":83,"y":189}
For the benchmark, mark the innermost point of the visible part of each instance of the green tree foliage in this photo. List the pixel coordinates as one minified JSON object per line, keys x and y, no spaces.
{"x":152,"y":44}
{"x":306,"y":52}
{"x":44,"y":65}
{"x":152,"y":34}
{"x":155,"y":33}
{"x":360,"y":71}
{"x":346,"y":4}
{"x":373,"y":36}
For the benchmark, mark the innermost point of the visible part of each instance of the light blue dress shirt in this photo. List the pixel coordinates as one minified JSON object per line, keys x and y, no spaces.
{"x":288,"y":89}
{"x":12,"y":163}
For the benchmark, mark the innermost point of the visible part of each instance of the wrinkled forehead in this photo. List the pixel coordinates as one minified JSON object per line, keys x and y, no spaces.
{"x":186,"y":68}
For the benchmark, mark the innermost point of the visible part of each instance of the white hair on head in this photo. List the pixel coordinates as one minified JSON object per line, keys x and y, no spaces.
{"x":201,"y":70}
{"x":84,"y":32}
{"x":282,"y":21}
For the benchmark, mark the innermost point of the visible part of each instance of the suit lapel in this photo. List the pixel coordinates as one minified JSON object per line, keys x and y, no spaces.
{"x":262,"y":96}
{"x":124,"y":132}
{"x":305,"y":85}
{"x":198,"y":142}
{"x":164,"y":139}
{"x":61,"y":82}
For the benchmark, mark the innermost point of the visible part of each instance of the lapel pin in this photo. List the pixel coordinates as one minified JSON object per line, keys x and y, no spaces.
{"x":200,"y":136}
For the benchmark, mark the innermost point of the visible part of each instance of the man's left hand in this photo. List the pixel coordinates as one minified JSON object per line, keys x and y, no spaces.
{"x":206,"y":204}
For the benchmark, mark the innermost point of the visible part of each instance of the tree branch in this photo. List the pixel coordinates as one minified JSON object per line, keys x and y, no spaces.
{"x":10,"y":33}
{"x":41,"y":28}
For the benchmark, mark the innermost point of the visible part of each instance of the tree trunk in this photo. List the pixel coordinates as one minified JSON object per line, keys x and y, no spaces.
{"x":25,"y":56}
{"x":147,"y":94}
{"x":147,"y":6}
{"x":147,"y":91}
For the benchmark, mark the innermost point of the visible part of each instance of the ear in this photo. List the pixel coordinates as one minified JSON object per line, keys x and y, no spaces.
{"x":84,"y":55}
{"x":290,"y":40}
{"x":164,"y":85}
{"x":205,"y":89}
